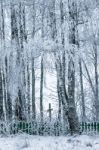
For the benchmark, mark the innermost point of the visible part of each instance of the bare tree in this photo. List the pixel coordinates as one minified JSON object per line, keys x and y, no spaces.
{"x":72,"y":114}
{"x":82,"y":92}
{"x":1,"y":96}
{"x":41,"y":90}
{"x":33,"y":65}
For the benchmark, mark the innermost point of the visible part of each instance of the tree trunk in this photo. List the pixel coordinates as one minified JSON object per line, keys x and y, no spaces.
{"x":28,"y":89}
{"x":1,"y":96}
{"x":72,"y":114}
{"x":33,"y":70}
{"x":96,"y":81}
{"x":82,"y":92}
{"x":41,"y":90}
{"x":33,"y":91}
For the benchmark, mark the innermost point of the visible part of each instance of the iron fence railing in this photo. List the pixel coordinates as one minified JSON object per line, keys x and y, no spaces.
{"x":45,"y":128}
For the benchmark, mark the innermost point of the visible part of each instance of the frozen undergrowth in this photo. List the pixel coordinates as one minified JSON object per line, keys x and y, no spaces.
{"x":27,"y":142}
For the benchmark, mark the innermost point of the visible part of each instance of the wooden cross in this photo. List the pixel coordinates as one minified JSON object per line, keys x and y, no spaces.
{"x":50,"y":111}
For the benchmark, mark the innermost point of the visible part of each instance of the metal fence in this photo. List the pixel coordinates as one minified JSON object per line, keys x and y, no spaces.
{"x":34,"y":128}
{"x":46,"y":128}
{"x":92,"y":128}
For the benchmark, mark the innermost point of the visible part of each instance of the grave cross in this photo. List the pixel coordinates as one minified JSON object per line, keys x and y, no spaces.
{"x":50,"y":111}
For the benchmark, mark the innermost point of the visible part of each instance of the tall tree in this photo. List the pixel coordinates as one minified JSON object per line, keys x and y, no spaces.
{"x":1,"y":96}
{"x":72,"y":114}
{"x":28,"y":89}
{"x":41,"y":90}
{"x":82,"y":91}
{"x":33,"y":66}
{"x":33,"y":91}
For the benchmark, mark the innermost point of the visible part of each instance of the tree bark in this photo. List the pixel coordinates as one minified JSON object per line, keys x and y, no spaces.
{"x":1,"y":96}
{"x":82,"y":92}
{"x":72,"y":114}
{"x":33,"y":90}
{"x":41,"y":90}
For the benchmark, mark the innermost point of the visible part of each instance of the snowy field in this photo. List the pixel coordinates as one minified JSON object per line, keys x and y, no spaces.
{"x":26,"y":142}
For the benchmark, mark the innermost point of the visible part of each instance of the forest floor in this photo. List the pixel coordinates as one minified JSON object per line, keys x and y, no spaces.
{"x":27,"y":142}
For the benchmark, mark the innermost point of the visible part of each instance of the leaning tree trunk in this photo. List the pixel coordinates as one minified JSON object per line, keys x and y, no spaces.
{"x":68,"y":101}
{"x":1,"y":96}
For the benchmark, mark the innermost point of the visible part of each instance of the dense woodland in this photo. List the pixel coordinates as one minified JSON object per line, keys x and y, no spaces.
{"x":49,"y":40}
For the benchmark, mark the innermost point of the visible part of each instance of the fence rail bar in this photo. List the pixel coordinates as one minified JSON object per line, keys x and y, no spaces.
{"x":47,"y":128}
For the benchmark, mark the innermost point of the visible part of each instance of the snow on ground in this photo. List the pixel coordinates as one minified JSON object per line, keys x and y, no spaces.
{"x":27,"y":142}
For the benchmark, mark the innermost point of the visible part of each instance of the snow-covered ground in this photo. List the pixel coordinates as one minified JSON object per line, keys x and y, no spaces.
{"x":26,"y":142}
